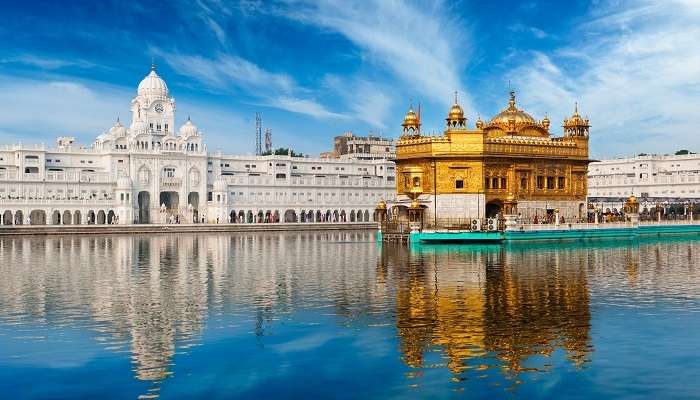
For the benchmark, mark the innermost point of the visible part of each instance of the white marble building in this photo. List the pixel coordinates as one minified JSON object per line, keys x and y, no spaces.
{"x":150,"y":172}
{"x":652,"y":178}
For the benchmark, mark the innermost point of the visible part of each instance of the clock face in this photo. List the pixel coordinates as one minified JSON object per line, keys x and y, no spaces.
{"x":159,"y":108}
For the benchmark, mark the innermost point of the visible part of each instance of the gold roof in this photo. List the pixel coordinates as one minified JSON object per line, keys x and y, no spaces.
{"x":576,"y":119}
{"x":411,"y":118}
{"x":512,"y":113}
{"x":456,"y":111}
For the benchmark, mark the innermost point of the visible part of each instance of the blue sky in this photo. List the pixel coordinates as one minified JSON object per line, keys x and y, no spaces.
{"x":315,"y":69}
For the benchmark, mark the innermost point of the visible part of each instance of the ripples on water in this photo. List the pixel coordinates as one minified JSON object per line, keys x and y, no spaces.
{"x":336,"y":315}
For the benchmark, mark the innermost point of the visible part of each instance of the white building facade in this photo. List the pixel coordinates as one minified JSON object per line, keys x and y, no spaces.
{"x":654,"y":179}
{"x":149,"y":172}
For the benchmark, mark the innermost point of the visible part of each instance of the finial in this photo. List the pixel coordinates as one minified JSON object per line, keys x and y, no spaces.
{"x":511,"y":102}
{"x":153,"y":64}
{"x":410,"y":103}
{"x":456,"y":97}
{"x":576,"y":107}
{"x":188,"y":118}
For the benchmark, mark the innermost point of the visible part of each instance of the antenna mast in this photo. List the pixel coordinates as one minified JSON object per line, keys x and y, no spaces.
{"x":268,"y":140}
{"x":258,"y":134}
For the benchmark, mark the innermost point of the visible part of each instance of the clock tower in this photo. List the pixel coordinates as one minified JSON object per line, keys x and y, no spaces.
{"x":153,"y":110}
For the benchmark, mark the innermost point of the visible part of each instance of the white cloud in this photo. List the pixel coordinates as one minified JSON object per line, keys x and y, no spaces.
{"x":228,"y":73}
{"x":368,"y":101}
{"x":635,"y":71}
{"x":37,"y":111}
{"x":421,"y":45}
{"x":45,"y":62}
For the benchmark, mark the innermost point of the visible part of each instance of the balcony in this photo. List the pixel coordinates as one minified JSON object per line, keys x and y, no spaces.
{"x":170,"y":182}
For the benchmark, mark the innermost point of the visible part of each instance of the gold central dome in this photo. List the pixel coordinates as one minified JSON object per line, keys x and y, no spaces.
{"x":456,"y":112}
{"x":512,"y":113}
{"x":411,"y":118}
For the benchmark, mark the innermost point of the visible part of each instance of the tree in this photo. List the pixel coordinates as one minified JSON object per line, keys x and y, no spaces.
{"x":282,"y":151}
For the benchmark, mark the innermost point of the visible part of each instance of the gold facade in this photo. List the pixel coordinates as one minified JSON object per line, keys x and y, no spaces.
{"x":510,"y":154}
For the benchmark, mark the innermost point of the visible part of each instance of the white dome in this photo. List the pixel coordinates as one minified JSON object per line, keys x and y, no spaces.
{"x":188,"y":129}
{"x":220,"y":185}
{"x":118,"y":130}
{"x":138,"y":127}
{"x":153,"y":85}
{"x":123,"y":182}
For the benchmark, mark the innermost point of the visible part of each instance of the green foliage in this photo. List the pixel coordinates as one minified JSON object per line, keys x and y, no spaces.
{"x":282,"y":151}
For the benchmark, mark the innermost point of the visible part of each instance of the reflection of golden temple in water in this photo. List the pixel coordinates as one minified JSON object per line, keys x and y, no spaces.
{"x":470,"y":304}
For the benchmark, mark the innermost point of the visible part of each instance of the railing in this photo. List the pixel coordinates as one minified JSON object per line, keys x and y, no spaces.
{"x":572,"y":226}
{"x":170,"y":182}
{"x":51,"y":202}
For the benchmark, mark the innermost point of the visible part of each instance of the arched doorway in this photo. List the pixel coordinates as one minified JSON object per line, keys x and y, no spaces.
{"x":101,"y":217}
{"x":366,"y":219}
{"x":110,"y":217}
{"x":193,"y":200}
{"x":241,"y":216}
{"x":171,"y":201}
{"x":19,"y":218}
{"x":91,"y":217}
{"x":250,"y":217}
{"x":290,"y":216}
{"x":352,"y":215}
{"x":55,"y":218}
{"x":318,"y":216}
{"x":310,"y":216}
{"x":328,"y":215}
{"x":232,"y":217}
{"x":260,"y":216}
{"x":67,"y":220}
{"x":144,"y":201}
{"x":343,"y":216}
{"x":336,"y":216}
{"x":302,"y":216}
{"x":37,"y":217}
{"x":493,"y":208}
{"x":7,"y":218}
{"x":76,"y":218}
{"x":276,"y":216}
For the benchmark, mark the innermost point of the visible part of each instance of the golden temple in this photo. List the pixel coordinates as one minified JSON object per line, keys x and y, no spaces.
{"x":471,"y":173}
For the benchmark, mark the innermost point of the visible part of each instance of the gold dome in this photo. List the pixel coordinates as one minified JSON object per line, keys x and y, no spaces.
{"x":576,"y":119}
{"x":411,"y":119}
{"x":512,"y":113}
{"x":456,"y":112}
{"x":381,"y":205}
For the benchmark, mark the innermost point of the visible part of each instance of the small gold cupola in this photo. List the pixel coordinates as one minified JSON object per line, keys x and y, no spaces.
{"x":411,"y":123}
{"x":455,"y":118}
{"x":576,"y":126}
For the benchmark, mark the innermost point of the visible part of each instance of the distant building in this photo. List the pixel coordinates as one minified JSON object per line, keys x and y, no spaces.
{"x":150,"y":172}
{"x":652,"y":178}
{"x":370,"y":147}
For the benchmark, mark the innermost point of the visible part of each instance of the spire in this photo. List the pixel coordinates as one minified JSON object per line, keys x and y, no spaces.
{"x":576,"y":108}
{"x":153,"y":64}
{"x":511,"y":102}
{"x":456,"y":102}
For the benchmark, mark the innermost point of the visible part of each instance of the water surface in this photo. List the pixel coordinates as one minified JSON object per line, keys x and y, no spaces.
{"x":335,"y":315}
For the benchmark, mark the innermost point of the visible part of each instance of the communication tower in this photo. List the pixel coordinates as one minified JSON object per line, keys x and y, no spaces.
{"x":258,"y":134}
{"x":268,"y":140}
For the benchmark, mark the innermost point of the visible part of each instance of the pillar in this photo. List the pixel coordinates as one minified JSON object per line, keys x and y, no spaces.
{"x":510,"y":212}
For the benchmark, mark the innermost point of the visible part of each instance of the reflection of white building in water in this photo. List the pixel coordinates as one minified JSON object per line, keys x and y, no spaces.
{"x":151,"y":172}
{"x":652,"y":178}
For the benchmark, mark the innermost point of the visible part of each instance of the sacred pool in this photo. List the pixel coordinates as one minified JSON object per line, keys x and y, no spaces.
{"x":338,"y":315}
